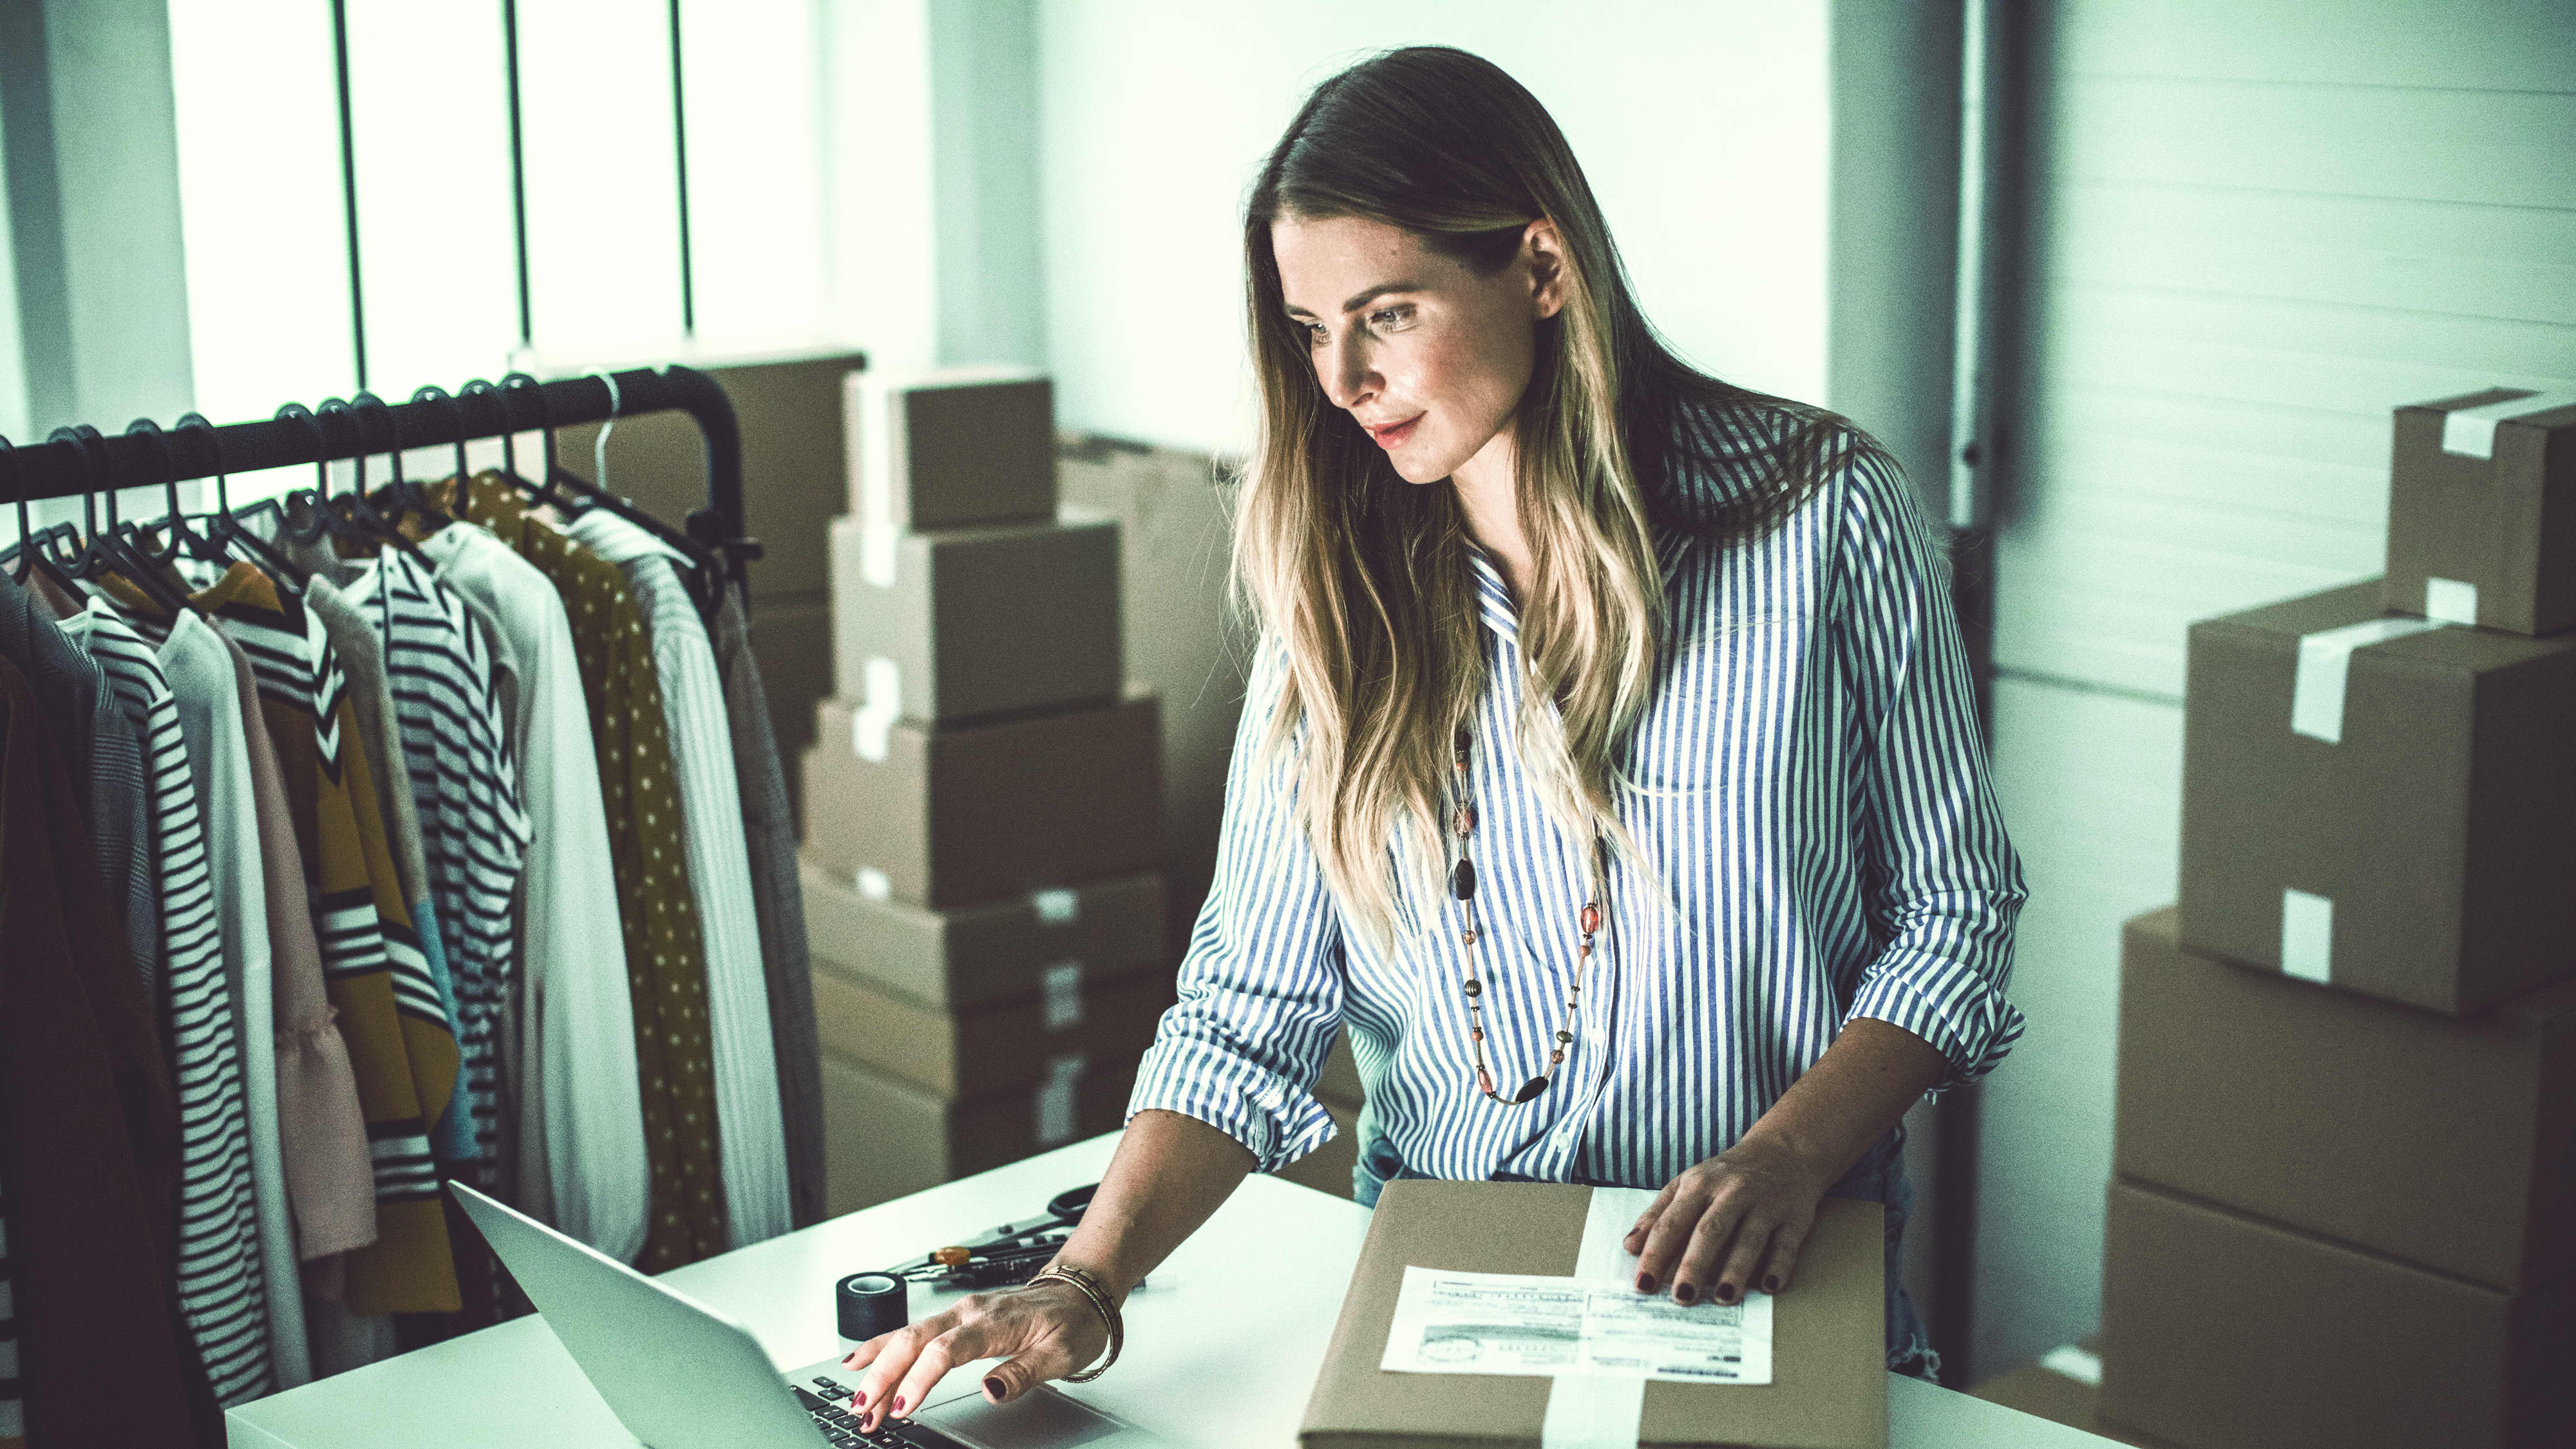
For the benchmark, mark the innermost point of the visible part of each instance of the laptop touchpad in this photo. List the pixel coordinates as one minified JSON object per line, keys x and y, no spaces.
{"x":1041,"y":1420}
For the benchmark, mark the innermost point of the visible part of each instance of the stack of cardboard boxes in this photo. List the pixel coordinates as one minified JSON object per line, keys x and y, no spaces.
{"x":2345,"y":1204}
{"x":983,"y":805}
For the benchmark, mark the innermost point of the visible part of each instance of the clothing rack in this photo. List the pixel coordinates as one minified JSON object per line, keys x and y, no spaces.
{"x":58,"y":469}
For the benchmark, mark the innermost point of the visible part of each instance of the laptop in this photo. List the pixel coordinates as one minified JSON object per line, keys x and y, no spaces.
{"x":680,"y":1375}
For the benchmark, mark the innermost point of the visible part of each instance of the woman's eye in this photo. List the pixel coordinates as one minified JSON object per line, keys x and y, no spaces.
{"x":1387,"y":318}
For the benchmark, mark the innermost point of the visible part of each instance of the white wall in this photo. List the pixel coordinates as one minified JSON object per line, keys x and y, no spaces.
{"x":1703,"y":128}
{"x":2260,"y":228}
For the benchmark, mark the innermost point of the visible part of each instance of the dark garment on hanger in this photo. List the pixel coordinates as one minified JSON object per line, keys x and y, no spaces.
{"x":101,"y":758}
{"x":92,"y":1140}
{"x":779,"y":899}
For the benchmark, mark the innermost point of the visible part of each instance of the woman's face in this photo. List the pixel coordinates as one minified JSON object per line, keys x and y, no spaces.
{"x":1425,"y":353}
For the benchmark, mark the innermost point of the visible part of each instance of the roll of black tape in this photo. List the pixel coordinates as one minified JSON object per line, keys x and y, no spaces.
{"x":870,"y":1304}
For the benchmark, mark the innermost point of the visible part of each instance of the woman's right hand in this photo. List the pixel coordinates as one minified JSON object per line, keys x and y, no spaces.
{"x":1041,"y":1332}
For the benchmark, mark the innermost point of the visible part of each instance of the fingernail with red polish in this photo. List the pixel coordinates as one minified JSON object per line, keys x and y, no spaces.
{"x":897,"y":1406}
{"x":1684,"y":1293}
{"x":996,"y":1387}
{"x":1645,"y":1282}
{"x":1771,"y":1284}
{"x":1725,"y":1292}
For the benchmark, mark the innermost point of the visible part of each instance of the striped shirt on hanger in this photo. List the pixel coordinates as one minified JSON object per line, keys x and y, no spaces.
{"x":222,"y":1290}
{"x":1810,"y":790}
{"x":401,"y":1044}
{"x":473,"y":833}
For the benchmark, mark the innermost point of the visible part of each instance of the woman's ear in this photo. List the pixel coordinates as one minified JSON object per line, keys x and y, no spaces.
{"x":1544,"y":250}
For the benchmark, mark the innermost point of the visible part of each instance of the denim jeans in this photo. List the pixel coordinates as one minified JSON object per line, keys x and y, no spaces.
{"x":1878,"y":1177}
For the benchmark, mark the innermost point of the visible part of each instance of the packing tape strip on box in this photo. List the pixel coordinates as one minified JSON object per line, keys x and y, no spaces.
{"x":2325,"y":662}
{"x":1055,"y":1099}
{"x":2307,"y":936}
{"x":2470,"y":432}
{"x":872,"y":724}
{"x":1063,"y":995}
{"x":1600,"y":1411}
{"x":2451,"y":601}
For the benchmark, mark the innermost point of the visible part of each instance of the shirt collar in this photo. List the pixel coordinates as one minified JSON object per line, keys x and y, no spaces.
{"x":1493,"y":596}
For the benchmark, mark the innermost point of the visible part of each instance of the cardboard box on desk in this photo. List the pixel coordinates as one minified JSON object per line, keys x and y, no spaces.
{"x":2224,"y":1332}
{"x":973,"y":956}
{"x":967,"y":622}
{"x":884,"y":1138}
{"x":2448,"y":1143}
{"x":2482,"y":510}
{"x":985,"y":812}
{"x":941,"y":447}
{"x":994,"y":1047}
{"x":2380,"y":804}
{"x":1828,"y":1354}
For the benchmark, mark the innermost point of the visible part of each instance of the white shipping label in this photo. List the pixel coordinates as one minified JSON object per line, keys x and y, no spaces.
{"x":878,"y":549}
{"x":1528,"y":1324}
{"x":2451,"y":601}
{"x":2470,"y":432}
{"x":2325,"y":660}
{"x":1600,"y":1411}
{"x":2307,"y":936}
{"x":1056,"y":1100}
{"x":1057,"y":907}
{"x":1063,"y":995}
{"x":873,"y":884}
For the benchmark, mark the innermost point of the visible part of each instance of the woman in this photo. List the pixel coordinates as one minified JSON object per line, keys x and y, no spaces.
{"x":1610,"y":762}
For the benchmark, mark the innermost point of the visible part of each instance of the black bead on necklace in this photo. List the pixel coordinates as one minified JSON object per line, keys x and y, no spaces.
{"x":1462,"y":885}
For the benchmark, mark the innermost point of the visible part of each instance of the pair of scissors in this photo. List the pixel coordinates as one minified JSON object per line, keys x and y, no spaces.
{"x":1005,"y":1255}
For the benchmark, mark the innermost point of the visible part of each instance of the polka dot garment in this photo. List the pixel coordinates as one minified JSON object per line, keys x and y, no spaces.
{"x":665,"y":959}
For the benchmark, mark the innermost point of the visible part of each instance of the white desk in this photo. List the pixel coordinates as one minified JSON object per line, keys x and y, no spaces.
{"x":1222,"y":1345}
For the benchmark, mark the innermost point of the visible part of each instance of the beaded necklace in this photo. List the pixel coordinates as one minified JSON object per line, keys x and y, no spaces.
{"x":1462,"y":884}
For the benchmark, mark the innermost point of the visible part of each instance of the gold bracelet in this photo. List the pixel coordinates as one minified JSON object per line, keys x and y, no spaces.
{"x":1089,"y":1287}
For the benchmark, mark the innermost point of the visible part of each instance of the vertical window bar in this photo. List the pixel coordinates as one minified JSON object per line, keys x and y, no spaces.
{"x":680,"y":151}
{"x":518,"y":166}
{"x":349,"y":187}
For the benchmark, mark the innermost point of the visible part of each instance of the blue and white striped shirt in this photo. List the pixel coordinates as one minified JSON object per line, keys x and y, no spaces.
{"x":1814,"y":799}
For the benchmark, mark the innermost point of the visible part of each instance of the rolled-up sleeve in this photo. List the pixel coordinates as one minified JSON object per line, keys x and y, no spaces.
{"x":1261,"y":986}
{"x":1942,"y":885}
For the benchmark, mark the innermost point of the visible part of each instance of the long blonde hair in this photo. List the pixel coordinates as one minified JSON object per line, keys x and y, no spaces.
{"x":1363,"y":578}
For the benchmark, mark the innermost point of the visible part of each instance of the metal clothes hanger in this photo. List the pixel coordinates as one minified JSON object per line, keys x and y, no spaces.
{"x":224,"y":530}
{"x":34,"y":557}
{"x":107,"y":551}
{"x":703,"y":575}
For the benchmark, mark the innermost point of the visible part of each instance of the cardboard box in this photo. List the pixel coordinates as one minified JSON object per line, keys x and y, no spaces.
{"x":2444,"y":1142}
{"x":1328,"y":1168}
{"x":1183,"y":633}
{"x":2224,"y":1332}
{"x":2398,"y":818}
{"x":995,"y":1047}
{"x":1829,"y":1349}
{"x":985,"y":812}
{"x":967,"y":622}
{"x":788,"y":409}
{"x":884,"y":1138}
{"x":941,"y":447}
{"x":2482,"y":510}
{"x":973,"y":956}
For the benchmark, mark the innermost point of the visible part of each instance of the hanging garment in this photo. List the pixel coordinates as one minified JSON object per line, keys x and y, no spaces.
{"x":322,"y":1129}
{"x":221,"y":1287}
{"x":401,"y":1043}
{"x":580,"y":1151}
{"x":665,"y":960}
{"x":769,"y":836}
{"x":473,"y":832}
{"x":91,"y":1154}
{"x":362,"y":662}
{"x":750,"y":1133}
{"x":200,"y":671}
{"x":105,"y":763}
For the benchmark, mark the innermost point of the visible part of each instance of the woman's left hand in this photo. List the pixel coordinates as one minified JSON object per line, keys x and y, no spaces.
{"x":1729,"y":1225}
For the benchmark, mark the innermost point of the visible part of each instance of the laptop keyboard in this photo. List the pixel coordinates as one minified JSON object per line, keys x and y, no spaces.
{"x":827,"y":1403}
